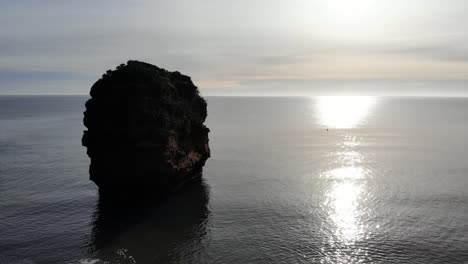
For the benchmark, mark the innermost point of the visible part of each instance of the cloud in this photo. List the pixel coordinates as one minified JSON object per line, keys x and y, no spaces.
{"x":11,"y":76}
{"x":371,"y":87}
{"x":438,"y":52}
{"x":224,"y":44}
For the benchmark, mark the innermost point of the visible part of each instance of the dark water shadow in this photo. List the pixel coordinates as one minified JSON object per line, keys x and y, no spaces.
{"x":173,"y":231}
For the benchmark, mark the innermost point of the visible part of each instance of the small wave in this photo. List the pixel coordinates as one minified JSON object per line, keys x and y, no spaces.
{"x":89,"y":261}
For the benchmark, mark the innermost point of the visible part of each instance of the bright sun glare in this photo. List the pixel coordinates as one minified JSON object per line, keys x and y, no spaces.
{"x":347,"y":173}
{"x":343,"y":112}
{"x":358,"y":16}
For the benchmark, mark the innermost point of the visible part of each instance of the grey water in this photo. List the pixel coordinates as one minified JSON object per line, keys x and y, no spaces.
{"x":290,"y":180}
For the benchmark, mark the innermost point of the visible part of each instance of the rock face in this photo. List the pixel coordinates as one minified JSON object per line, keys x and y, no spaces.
{"x":145,"y":131}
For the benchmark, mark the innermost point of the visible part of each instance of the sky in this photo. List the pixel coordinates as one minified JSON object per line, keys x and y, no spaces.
{"x":243,"y":47}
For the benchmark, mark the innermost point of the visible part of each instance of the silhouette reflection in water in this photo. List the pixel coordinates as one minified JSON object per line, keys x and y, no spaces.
{"x":172,"y":231}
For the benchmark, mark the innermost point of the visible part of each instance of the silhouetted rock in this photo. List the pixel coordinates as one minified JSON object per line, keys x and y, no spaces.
{"x":145,"y":131}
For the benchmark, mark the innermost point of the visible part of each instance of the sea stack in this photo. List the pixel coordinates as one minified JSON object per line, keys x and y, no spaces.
{"x":146,"y":134}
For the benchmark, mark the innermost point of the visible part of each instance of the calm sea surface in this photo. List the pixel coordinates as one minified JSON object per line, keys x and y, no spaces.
{"x":386,"y":183}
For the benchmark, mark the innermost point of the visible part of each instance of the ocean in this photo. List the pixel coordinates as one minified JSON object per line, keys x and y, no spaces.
{"x":290,"y":180}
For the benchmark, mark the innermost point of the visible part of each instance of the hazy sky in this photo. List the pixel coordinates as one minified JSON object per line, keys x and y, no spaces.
{"x":240,"y":47}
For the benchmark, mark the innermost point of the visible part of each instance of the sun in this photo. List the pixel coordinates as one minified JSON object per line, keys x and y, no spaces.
{"x":353,"y":16}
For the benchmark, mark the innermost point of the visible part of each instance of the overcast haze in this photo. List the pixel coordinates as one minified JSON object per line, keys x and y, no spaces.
{"x":295,"y":47}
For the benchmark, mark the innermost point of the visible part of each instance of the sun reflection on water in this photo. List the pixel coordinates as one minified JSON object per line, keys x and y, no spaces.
{"x":347,"y":183}
{"x":343,"y":203}
{"x":343,"y":112}
{"x":347,"y":175}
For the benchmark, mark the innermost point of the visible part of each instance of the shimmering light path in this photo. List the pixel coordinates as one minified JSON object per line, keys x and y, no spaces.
{"x":347,"y":174}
